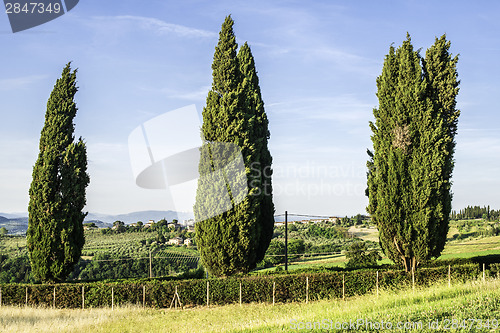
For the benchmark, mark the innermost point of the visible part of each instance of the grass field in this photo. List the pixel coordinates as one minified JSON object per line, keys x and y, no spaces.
{"x":465,"y":248}
{"x":439,"y":304}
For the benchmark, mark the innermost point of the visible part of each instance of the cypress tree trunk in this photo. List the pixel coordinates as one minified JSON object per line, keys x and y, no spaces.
{"x":413,"y":140}
{"x":234,"y":216}
{"x":55,"y":235}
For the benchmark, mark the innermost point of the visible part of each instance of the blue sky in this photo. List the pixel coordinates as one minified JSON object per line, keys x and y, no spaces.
{"x":317,"y":63}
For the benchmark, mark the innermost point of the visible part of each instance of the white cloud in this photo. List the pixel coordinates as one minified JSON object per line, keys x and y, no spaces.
{"x":344,"y":108}
{"x":156,"y":25}
{"x":199,"y":93}
{"x":20,"y":82}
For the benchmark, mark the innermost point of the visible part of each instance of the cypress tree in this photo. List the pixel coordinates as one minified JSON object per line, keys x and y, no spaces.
{"x":234,"y":216}
{"x":55,"y":235}
{"x":410,"y":168}
{"x":260,"y":160}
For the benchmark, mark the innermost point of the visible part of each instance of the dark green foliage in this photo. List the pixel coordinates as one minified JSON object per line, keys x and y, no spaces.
{"x":410,"y":168}
{"x":359,"y":256}
{"x":234,"y":225}
{"x":57,"y":194}
{"x":15,"y":269}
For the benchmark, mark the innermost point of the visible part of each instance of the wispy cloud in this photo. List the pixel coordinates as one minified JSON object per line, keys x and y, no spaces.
{"x":157,"y":26}
{"x":190,"y":95}
{"x":20,"y":82}
{"x":344,"y":108}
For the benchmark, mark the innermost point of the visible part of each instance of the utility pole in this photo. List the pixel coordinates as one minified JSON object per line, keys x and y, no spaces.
{"x":286,"y":240}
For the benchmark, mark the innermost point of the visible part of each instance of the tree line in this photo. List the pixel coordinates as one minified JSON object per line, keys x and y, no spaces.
{"x":476,"y":212}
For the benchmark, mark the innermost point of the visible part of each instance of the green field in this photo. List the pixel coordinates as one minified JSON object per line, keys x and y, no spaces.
{"x":464,"y":248}
{"x":458,"y":307}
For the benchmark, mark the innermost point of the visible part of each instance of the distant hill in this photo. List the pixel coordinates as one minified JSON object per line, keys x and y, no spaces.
{"x":17,"y":225}
{"x":143,"y":216}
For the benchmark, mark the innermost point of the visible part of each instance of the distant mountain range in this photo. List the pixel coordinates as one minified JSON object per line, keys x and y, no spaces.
{"x":17,"y":224}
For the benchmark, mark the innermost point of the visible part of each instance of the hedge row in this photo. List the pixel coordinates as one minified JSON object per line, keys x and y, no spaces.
{"x":287,"y":288}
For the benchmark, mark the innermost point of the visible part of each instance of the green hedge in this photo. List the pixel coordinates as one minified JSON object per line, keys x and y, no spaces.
{"x":288,"y":288}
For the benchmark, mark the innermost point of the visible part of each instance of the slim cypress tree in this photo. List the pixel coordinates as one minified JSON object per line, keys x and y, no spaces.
{"x":231,"y":209}
{"x":57,"y":194}
{"x":413,"y":140}
{"x":260,"y":159}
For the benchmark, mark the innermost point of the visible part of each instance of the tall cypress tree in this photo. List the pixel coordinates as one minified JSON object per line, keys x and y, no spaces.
{"x":413,"y":140}
{"x":57,"y":194}
{"x":260,"y":160}
{"x":232,"y":210}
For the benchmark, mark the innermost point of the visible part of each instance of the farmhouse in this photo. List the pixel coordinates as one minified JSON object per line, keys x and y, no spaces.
{"x":176,"y":241}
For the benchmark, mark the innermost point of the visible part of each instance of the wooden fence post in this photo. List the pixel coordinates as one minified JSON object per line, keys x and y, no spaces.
{"x":413,"y":278}
{"x":449,"y":276}
{"x":307,"y":289}
{"x":26,"y":304}
{"x":54,"y":298}
{"x":343,"y":287}
{"x":240,"y":293}
{"x":274,"y":290}
{"x":83,"y":297}
{"x":377,"y":283}
{"x":112,"y":299}
{"x":208,"y":294}
{"x":143,"y":296}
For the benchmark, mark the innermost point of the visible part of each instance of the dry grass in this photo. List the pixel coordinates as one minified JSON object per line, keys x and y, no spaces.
{"x":30,"y":319}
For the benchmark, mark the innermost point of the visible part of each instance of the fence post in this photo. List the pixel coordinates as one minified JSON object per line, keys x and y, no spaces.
{"x":143,"y":296}
{"x":484,"y":276}
{"x":0,"y":296}
{"x":343,"y":287}
{"x":26,"y":304}
{"x":112,"y":299}
{"x":208,"y":294}
{"x":240,"y":293}
{"x":413,"y":278}
{"x":377,"y":283}
{"x":83,"y":297}
{"x":54,"y":299}
{"x":274,"y":290}
{"x":449,"y":276}
{"x":307,"y":289}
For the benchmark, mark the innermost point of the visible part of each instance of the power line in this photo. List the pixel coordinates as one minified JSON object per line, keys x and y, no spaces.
{"x":305,"y":215}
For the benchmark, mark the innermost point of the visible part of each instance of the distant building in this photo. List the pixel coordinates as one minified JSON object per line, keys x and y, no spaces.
{"x":176,"y":241}
{"x":149,"y":223}
{"x":188,"y":242}
{"x":188,"y":222}
{"x":334,"y":219}
{"x":175,"y":226}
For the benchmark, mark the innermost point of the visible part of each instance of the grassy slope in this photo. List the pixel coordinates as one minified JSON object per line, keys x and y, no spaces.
{"x":473,"y":300}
